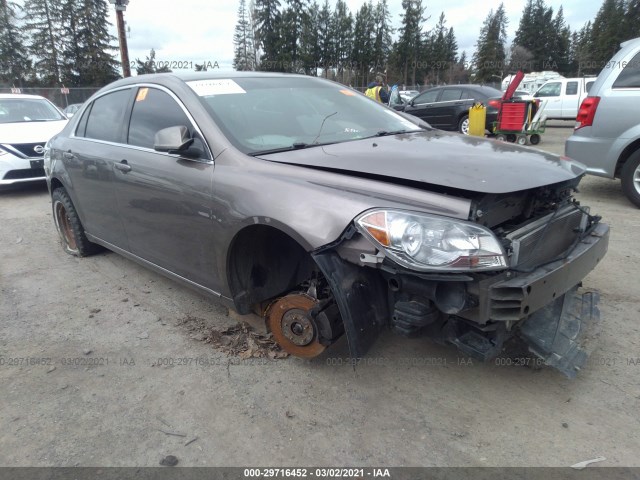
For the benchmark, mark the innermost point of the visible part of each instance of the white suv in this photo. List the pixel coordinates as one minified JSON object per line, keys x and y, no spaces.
{"x":607,"y":134}
{"x":27,"y":122}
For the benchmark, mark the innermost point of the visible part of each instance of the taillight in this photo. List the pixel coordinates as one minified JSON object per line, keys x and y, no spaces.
{"x":494,"y":103}
{"x":586,"y":112}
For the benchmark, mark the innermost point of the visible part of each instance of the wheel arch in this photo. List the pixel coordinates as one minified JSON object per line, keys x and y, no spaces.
{"x":264,"y":261}
{"x":625,"y":154}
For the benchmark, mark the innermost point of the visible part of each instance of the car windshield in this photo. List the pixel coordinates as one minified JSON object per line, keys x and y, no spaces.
{"x":261,"y":115}
{"x":15,"y":110}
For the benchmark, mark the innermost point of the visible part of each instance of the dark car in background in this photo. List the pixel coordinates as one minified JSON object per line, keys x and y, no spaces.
{"x":447,"y":108}
{"x":327,"y":213}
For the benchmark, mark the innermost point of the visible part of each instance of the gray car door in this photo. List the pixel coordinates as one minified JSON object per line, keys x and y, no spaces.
{"x":165,"y":199}
{"x":89,"y":156}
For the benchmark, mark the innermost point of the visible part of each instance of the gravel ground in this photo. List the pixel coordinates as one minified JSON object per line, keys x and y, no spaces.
{"x":111,"y":388}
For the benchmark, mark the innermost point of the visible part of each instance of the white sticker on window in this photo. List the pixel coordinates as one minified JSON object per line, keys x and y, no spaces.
{"x":223,"y":86}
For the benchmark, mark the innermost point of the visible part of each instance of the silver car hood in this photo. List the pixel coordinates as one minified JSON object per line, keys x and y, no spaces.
{"x":440,"y":158}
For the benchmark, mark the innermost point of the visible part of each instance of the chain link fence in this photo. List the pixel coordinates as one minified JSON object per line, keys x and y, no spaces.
{"x":60,"y":96}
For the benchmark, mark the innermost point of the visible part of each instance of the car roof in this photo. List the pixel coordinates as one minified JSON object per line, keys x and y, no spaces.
{"x":20,"y":95}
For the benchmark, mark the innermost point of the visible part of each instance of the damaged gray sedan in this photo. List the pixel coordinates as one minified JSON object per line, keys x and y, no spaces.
{"x":327,"y":213}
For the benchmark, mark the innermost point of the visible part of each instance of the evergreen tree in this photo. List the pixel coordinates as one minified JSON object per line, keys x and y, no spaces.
{"x":580,"y":62}
{"x":43,"y":25}
{"x":560,"y":38}
{"x":325,"y":38}
{"x":15,"y":64}
{"x":606,"y":32}
{"x":632,"y":20}
{"x":363,"y":41}
{"x":243,"y":41}
{"x":383,"y":31}
{"x":489,"y":57}
{"x":442,"y":50}
{"x":310,"y":40}
{"x":86,"y":45}
{"x":410,"y":39}
{"x":342,"y":24}
{"x":268,"y":21}
{"x":149,"y":65}
{"x":535,"y":33}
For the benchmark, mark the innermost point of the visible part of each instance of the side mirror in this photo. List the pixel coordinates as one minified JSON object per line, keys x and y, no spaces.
{"x":172,"y":139}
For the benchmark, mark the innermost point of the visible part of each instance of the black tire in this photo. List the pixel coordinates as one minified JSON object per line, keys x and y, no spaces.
{"x":630,"y":178}
{"x":72,"y":236}
{"x":534,"y":139}
{"x":461,"y":123}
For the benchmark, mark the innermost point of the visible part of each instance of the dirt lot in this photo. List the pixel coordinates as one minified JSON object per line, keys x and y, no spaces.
{"x":113,"y":391}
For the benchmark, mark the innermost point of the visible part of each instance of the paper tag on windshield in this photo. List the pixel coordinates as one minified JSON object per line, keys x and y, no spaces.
{"x":205,"y":88}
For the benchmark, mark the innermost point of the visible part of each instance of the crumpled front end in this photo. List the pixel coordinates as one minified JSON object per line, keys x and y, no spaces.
{"x":535,"y":298}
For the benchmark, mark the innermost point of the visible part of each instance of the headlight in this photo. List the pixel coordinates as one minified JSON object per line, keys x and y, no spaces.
{"x":429,"y":242}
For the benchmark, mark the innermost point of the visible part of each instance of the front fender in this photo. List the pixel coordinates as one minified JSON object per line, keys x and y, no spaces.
{"x":361,"y":297}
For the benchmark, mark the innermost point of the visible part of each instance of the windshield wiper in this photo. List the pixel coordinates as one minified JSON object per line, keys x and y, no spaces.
{"x":294,"y":146}
{"x":385,"y":133}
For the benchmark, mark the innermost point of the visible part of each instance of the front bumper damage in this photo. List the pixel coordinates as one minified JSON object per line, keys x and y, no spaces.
{"x":477,"y":313}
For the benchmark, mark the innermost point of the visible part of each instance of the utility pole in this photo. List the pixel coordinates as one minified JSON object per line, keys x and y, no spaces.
{"x":121,"y":6}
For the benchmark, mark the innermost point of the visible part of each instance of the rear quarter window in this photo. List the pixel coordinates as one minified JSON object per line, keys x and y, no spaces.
{"x":630,"y":75}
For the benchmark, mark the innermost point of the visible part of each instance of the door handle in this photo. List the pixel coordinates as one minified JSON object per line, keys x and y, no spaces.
{"x":68,"y":155}
{"x":123,"y":166}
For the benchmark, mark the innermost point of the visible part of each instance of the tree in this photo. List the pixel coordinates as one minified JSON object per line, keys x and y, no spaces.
{"x":579,"y":52}
{"x":325,"y":38}
{"x":363,"y":41}
{"x":559,"y":43}
{"x":442,"y":49}
{"x":15,"y":65}
{"x":606,"y":32}
{"x":87,"y":44}
{"x":383,"y":31}
{"x":310,"y":39}
{"x":490,"y":55}
{"x":410,"y":39}
{"x":267,"y":25}
{"x":342,"y":25}
{"x":631,"y":19}
{"x":149,"y":65}
{"x":243,"y":41}
{"x":43,"y":25}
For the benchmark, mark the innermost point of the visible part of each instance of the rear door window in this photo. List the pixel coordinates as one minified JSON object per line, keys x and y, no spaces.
{"x":630,"y":75}
{"x":427,"y":97}
{"x":106,"y":118}
{"x":571,"y":88}
{"x":451,"y":94}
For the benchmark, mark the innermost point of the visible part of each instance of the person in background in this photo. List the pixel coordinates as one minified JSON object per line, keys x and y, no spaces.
{"x":376,"y":91}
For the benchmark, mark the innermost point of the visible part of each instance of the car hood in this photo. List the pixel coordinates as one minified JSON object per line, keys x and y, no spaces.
{"x":30,"y":132}
{"x":440,"y":158}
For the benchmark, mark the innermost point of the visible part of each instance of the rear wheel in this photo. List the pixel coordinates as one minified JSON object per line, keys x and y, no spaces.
{"x":534,"y":139}
{"x":463,"y":125}
{"x":74,"y":241}
{"x":630,"y":178}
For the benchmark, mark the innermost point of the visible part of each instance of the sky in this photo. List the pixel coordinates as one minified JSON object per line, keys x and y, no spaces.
{"x":201,"y":31}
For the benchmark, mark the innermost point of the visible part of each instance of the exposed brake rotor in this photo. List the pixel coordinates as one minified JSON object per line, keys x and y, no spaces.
{"x":292,"y":327}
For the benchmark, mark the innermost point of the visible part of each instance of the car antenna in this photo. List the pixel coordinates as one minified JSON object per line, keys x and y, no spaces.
{"x":322,"y":126}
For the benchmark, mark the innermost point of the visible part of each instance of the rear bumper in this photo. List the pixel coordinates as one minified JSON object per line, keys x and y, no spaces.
{"x":593,"y":152}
